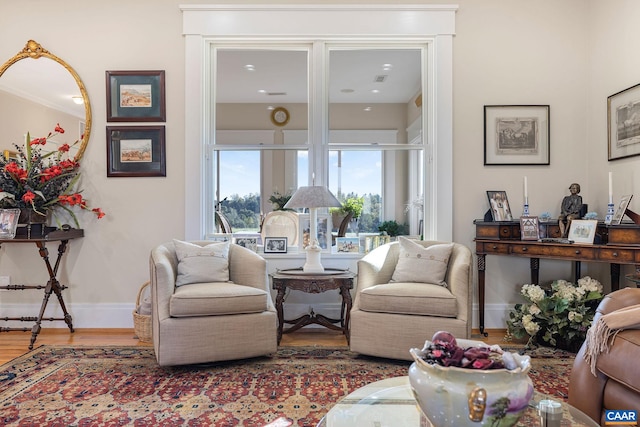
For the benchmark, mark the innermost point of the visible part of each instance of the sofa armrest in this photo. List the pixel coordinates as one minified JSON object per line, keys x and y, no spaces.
{"x":460,"y":281}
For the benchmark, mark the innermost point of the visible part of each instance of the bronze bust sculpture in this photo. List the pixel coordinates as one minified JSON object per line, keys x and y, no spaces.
{"x":570,"y":209}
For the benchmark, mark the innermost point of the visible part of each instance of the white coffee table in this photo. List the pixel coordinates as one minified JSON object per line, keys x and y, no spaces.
{"x":390,"y":403}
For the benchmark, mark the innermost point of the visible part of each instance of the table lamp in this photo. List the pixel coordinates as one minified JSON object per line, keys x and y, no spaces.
{"x":313,"y":197}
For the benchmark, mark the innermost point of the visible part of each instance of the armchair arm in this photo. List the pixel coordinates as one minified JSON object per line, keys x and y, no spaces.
{"x":377,"y":267}
{"x":247,"y":268}
{"x":163,"y":269}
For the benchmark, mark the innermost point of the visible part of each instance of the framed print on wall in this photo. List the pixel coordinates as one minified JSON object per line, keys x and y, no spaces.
{"x":516,"y":135}
{"x":623,"y":123}
{"x":136,"y":96}
{"x":136,"y":151}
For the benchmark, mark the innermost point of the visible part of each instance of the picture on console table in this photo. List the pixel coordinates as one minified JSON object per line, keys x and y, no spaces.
{"x":499,"y":206}
{"x":275,"y":245}
{"x":623,"y":123}
{"x":622,"y":208}
{"x":529,"y":228}
{"x":583,"y":230}
{"x":516,"y":134}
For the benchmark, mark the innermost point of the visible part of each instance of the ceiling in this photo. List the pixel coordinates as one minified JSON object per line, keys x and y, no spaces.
{"x":282,"y":76}
{"x":45,"y":82}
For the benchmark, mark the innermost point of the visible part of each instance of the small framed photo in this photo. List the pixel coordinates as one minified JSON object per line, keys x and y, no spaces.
{"x":516,"y":135}
{"x":347,"y":244}
{"x":8,"y":223}
{"x":623,"y":124}
{"x":136,"y":96}
{"x":220,"y":237}
{"x":275,"y":245}
{"x":622,"y":209}
{"x":324,"y":232}
{"x":529,"y":228}
{"x":499,"y":206}
{"x":247,"y":242}
{"x":583,"y":230}
{"x":136,"y":151}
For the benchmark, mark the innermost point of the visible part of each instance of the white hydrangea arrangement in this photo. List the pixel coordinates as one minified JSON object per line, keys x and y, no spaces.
{"x":559,"y":316}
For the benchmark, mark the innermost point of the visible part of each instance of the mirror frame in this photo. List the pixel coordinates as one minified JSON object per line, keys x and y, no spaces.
{"x":34,"y":50}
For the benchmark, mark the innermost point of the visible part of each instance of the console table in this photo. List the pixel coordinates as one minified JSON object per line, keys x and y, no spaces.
{"x":295,"y":279}
{"x":614,"y":244}
{"x":52,"y":285}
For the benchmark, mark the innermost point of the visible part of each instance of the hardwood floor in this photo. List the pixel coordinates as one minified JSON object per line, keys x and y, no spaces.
{"x":16,"y":343}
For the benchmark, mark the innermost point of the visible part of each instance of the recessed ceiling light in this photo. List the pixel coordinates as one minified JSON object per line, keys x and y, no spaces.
{"x":270,"y":107}
{"x":375,"y":91}
{"x":367,"y":109}
{"x":78,"y":99}
{"x":387,"y":67}
{"x":262,"y":91}
{"x":250,"y":67}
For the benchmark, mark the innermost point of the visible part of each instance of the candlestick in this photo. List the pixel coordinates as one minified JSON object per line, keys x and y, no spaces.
{"x":610,"y":188}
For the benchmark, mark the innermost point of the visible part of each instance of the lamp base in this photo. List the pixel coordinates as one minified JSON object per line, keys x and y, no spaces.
{"x":313,"y":265}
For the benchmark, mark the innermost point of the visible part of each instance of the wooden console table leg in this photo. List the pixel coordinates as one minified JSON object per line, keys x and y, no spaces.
{"x":279,"y":300}
{"x":615,"y":277}
{"x":534,"y":265}
{"x":347,"y":304}
{"x":481,"y":272}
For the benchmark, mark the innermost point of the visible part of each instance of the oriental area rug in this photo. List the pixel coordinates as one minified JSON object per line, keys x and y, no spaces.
{"x":124,"y":386}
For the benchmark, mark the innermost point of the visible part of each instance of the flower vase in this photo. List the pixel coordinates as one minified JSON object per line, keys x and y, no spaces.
{"x":34,"y":222}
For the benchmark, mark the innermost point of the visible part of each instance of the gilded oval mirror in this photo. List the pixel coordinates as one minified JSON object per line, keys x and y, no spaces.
{"x":39,"y":90}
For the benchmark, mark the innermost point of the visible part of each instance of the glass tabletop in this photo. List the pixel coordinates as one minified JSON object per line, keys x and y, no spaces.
{"x":390,"y":403}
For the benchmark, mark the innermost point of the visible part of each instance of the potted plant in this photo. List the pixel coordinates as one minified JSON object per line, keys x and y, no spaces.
{"x":279,"y":200}
{"x":351,"y":209}
{"x":559,"y":316}
{"x":39,"y":182}
{"x":393,"y":228}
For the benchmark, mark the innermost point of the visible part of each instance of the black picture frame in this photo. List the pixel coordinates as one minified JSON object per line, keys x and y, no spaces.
{"x":136,"y":96}
{"x":499,"y":205}
{"x":136,"y":151}
{"x":275,"y":245}
{"x":516,"y":135}
{"x":623,"y":128}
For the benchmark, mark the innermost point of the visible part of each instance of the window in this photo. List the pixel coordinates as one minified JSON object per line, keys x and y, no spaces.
{"x":410,"y":167}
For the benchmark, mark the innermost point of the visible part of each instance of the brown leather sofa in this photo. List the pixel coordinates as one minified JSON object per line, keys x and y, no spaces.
{"x":617,"y":384}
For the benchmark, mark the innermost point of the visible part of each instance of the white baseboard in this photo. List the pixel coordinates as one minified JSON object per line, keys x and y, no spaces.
{"x":121,"y":315}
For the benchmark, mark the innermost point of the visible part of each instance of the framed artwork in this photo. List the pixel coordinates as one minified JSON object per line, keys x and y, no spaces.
{"x":529,"y":228}
{"x":583,"y":230}
{"x":516,"y":135}
{"x":8,"y":223}
{"x":136,"y":96}
{"x":622,"y":209}
{"x":136,"y":151}
{"x":324,"y":232}
{"x":348,"y":244}
{"x":499,"y":206}
{"x":623,"y":123}
{"x":247,"y":242}
{"x":275,"y":245}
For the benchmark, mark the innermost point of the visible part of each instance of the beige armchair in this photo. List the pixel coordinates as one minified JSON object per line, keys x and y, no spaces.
{"x":390,"y":317}
{"x":210,"y":321}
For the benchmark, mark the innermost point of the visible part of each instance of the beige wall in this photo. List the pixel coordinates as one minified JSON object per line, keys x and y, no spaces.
{"x":570,"y":55}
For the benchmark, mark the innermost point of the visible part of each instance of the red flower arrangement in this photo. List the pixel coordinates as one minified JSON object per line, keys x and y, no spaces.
{"x":42,"y":181}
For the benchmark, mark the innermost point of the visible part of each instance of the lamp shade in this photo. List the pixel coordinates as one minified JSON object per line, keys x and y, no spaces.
{"x":313,"y":197}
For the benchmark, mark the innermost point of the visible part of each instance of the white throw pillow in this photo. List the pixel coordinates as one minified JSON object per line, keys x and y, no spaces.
{"x":420,"y":264}
{"x":201,"y":264}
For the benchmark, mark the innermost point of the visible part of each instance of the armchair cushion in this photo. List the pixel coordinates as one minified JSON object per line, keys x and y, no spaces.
{"x":422,"y":299}
{"x":215,"y":299}
{"x":202,"y":264}
{"x":420,"y":264}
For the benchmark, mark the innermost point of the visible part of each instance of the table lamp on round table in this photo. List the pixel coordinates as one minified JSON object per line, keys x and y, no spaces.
{"x":313,"y":197}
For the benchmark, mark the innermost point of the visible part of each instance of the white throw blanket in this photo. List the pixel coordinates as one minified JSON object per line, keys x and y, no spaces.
{"x":602,"y":334}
